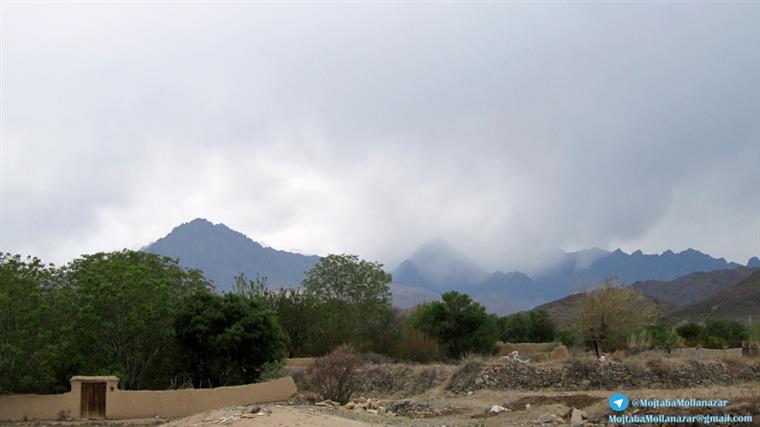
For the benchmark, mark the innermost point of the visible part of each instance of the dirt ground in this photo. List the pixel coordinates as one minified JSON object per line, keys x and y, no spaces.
{"x":441,"y":406}
{"x":526,"y":409}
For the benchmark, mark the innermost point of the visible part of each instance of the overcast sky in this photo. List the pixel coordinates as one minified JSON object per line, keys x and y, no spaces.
{"x":509,"y":130}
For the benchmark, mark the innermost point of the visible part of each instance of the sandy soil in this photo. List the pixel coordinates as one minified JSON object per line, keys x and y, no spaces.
{"x":276,"y":415}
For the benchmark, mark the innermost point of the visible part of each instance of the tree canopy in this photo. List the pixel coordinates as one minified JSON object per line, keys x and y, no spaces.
{"x":227,"y":339}
{"x":532,"y":326}
{"x":457,"y":322}
{"x":36,"y":340}
{"x":354,"y":301}
{"x":126,"y":304}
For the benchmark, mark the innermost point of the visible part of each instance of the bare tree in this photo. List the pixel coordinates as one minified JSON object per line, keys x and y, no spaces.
{"x":610,"y":311}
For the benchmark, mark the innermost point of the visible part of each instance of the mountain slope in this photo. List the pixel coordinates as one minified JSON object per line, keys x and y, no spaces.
{"x":739,"y":302}
{"x":222,"y":253}
{"x":504,"y":293}
{"x":693,"y":288}
{"x":563,"y":310}
{"x":436,"y":266}
{"x":580,"y":269}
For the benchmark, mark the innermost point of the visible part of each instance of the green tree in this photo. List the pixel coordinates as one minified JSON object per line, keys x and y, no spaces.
{"x":35,"y":326}
{"x":516,"y":327}
{"x":126,"y":305}
{"x":458,"y":323}
{"x":228,"y":339}
{"x":253,"y":288}
{"x":354,"y":299}
{"x":351,"y":280}
{"x":543,"y":327}
{"x":302,"y":317}
{"x":532,"y":326}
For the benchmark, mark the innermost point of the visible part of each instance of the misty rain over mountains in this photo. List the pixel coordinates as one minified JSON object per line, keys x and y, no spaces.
{"x":435,"y":267}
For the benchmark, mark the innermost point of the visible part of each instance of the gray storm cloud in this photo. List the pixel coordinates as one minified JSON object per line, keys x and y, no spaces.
{"x":510,"y":130}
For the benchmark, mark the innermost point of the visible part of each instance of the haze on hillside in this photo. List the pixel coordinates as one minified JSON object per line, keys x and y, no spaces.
{"x":678,"y":279}
{"x":509,"y":130}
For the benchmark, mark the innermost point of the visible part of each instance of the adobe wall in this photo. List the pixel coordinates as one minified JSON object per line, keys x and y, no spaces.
{"x":122,"y":404}
{"x":20,"y":407}
{"x":179,"y":403}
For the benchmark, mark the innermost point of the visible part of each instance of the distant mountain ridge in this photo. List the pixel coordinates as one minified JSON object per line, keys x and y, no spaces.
{"x":732,"y":294}
{"x":571,"y":271}
{"x":222,"y":253}
{"x":436,"y":267}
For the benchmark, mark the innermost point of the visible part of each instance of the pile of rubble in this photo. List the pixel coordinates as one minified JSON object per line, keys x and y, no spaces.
{"x":571,"y":416}
{"x":361,"y":404}
{"x":416,"y":409}
{"x":250,"y":412}
{"x":404,"y":407}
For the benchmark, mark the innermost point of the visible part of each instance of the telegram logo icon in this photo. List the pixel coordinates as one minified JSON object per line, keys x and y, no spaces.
{"x":618,"y":402}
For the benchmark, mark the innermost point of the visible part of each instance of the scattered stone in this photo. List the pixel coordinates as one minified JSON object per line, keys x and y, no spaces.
{"x":415,"y":409}
{"x":497,"y":409}
{"x":255,"y":409}
{"x":546,"y":418}
{"x":576,"y":416}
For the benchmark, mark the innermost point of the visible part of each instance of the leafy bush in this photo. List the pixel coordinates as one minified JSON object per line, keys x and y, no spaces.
{"x":693,"y":333}
{"x":662,"y":337}
{"x":713,"y":342}
{"x":336,"y":375}
{"x":715,"y":334}
{"x":461,"y":325}
{"x":567,"y":336}
{"x":730,"y":331}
